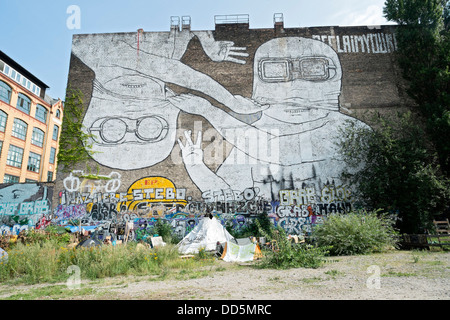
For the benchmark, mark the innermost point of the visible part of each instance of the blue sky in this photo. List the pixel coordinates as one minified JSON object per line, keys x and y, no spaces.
{"x":35,"y":33}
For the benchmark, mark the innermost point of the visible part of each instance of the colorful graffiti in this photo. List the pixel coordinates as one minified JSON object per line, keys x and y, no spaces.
{"x":23,"y":206}
{"x":154,"y":198}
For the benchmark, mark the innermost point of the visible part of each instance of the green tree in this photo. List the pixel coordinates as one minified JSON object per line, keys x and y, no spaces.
{"x":423,"y":38}
{"x":394,"y":169}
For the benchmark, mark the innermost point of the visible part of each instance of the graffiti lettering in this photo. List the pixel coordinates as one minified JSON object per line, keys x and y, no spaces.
{"x":365,"y":43}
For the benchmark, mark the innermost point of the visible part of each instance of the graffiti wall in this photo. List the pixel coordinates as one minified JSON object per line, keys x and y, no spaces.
{"x":238,"y":123}
{"x":23,"y":206}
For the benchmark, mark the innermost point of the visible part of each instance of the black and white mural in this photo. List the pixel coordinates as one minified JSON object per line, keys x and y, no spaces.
{"x":280,"y":139}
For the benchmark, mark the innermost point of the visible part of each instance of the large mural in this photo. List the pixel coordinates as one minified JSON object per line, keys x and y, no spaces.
{"x":272,"y":152}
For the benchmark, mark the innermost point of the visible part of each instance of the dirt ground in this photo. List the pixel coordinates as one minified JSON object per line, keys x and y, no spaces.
{"x":398,"y":275}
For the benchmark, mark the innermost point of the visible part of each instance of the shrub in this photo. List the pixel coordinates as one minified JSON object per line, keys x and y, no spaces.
{"x":394,"y":167}
{"x":357,"y":232}
{"x":284,"y":254}
{"x":256,"y":228}
{"x":164,"y":229}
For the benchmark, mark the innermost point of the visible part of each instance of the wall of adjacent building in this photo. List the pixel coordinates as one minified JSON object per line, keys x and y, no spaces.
{"x":26,"y":144}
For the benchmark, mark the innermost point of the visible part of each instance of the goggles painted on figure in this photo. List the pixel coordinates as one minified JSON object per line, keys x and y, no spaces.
{"x":113,"y":131}
{"x":287,"y":69}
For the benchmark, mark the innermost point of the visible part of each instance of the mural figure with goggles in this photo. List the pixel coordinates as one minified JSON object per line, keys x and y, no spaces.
{"x":299,"y":82}
{"x":131,"y":122}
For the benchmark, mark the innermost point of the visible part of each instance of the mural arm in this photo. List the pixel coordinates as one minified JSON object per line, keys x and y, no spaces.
{"x":220,"y":119}
{"x":174,"y":71}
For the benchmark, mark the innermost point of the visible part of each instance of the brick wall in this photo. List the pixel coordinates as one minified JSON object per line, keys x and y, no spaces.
{"x":140,"y":96}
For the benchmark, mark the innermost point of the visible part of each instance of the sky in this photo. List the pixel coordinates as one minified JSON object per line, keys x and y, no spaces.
{"x":37,"y":34}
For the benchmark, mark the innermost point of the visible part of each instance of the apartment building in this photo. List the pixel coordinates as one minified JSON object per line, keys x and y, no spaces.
{"x":30,"y":126}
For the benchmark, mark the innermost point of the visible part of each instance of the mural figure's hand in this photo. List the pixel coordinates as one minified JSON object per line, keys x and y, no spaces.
{"x":224,"y":51}
{"x":191,"y":153}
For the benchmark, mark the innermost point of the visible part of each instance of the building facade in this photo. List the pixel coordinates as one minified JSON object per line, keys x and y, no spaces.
{"x":234,"y":121}
{"x":30,"y":125}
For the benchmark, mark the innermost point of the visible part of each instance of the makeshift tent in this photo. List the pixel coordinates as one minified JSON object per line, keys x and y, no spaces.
{"x":241,"y":251}
{"x":88,"y":243}
{"x":205,"y":235}
{"x":74,"y":229}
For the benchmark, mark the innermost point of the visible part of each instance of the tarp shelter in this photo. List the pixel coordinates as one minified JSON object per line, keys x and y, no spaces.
{"x":74,"y":229}
{"x":88,"y":243}
{"x":205,"y":235}
{"x":241,"y":251}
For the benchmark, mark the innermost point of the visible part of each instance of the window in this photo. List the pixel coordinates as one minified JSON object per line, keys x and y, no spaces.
{"x":52,"y":155}
{"x":55,"y":132}
{"x":34,"y":162}
{"x":1,"y":147}
{"x":15,"y":155}
{"x":10,"y":179}
{"x":5,"y":92}
{"x":41,"y":113}
{"x":23,"y":103}
{"x":3,"y":118}
{"x":20,"y":79}
{"x":49,"y":176}
{"x":6,"y":70}
{"x":38,"y":137}
{"x":30,"y":180}
{"x":58,"y":113}
{"x":19,"y":129}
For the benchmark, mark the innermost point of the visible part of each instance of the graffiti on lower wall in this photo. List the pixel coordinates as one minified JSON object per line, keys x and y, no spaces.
{"x":24,"y":205}
{"x":152,"y":198}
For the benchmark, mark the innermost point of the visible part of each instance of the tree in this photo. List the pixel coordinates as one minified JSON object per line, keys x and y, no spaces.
{"x":394,"y":169}
{"x":423,"y":39}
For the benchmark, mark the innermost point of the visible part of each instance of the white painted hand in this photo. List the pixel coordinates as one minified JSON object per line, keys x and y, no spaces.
{"x":224,"y":51}
{"x":191,"y":153}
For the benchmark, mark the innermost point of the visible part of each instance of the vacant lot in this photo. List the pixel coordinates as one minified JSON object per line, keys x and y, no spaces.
{"x":401,"y":275}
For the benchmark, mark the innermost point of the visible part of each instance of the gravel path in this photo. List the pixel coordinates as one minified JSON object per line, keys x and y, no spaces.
{"x":399,"y":275}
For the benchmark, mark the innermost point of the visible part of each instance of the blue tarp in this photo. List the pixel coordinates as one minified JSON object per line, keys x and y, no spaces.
{"x":83,"y":228}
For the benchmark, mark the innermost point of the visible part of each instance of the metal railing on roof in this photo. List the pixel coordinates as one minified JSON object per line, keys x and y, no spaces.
{"x":231,"y":19}
{"x":278,"y":18}
{"x":185,"y":22}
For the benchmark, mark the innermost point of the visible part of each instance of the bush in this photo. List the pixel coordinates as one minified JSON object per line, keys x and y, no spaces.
{"x":284,"y":254}
{"x":164,"y":229}
{"x":258,"y":227}
{"x":357,"y":232}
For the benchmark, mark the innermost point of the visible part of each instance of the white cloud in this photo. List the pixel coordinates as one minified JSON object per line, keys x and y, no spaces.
{"x":371,"y":15}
